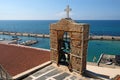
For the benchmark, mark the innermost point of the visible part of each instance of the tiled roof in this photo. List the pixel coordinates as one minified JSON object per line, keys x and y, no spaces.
{"x":17,"y":59}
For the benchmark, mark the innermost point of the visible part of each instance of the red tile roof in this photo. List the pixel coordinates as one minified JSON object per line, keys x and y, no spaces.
{"x":17,"y":59}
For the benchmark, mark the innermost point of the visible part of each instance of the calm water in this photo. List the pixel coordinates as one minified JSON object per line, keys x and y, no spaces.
{"x":97,"y":27}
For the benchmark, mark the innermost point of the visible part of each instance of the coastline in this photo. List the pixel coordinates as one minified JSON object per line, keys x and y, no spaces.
{"x":95,"y":47}
{"x":91,"y":37}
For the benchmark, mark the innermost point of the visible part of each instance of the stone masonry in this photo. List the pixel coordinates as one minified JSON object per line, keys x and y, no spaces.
{"x":78,"y":33}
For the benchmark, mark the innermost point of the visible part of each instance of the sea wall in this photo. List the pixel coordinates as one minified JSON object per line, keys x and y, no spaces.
{"x":95,"y":37}
{"x":25,"y":34}
{"x":104,"y":38}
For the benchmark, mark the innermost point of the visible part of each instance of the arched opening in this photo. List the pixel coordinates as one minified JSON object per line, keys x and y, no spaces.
{"x":64,"y":50}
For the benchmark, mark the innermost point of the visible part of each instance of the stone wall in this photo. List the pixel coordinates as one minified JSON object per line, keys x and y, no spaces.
{"x":78,"y":34}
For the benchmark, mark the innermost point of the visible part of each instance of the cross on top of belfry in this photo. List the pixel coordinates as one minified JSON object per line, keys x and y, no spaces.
{"x":68,"y":9}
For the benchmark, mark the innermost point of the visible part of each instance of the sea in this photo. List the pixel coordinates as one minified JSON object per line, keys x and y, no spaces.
{"x":97,"y":27}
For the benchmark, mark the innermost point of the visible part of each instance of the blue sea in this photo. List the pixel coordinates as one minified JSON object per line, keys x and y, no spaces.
{"x":97,"y":27}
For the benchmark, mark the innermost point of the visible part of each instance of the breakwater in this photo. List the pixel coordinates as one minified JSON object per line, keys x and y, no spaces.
{"x":93,"y":37}
{"x":117,"y":38}
{"x":24,"y":34}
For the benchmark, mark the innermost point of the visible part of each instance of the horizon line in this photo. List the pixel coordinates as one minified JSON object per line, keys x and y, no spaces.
{"x":57,"y":19}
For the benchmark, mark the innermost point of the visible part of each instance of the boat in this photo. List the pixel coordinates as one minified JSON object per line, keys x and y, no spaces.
{"x":29,"y":42}
{"x":109,"y":59}
{"x":2,"y":39}
{"x":16,"y":38}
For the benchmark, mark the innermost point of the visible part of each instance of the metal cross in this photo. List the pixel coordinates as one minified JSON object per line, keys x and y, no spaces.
{"x":68,"y":9}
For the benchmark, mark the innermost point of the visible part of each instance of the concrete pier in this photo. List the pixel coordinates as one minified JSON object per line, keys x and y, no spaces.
{"x":24,"y":34}
{"x":117,"y":38}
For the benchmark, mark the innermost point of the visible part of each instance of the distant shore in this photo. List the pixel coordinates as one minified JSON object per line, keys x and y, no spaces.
{"x":91,"y":37}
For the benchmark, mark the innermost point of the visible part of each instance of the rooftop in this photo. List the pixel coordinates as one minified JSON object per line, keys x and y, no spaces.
{"x":53,"y":72}
{"x":17,"y":59}
{"x":8,"y":41}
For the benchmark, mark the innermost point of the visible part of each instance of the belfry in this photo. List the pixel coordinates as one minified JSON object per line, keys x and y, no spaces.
{"x":68,"y":43}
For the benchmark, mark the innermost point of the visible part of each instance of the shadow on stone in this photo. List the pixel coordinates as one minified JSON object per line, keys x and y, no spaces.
{"x":95,"y":75}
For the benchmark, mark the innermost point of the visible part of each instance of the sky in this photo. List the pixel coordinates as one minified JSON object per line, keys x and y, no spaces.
{"x":54,"y":9}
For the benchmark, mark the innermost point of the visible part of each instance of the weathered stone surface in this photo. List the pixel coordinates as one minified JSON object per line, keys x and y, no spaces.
{"x":76,"y":51}
{"x":55,"y":46}
{"x":60,"y":35}
{"x":42,"y":71}
{"x":53,"y":32}
{"x":75,"y":28}
{"x":54,"y":55}
{"x":76,"y":43}
{"x":61,"y":76}
{"x":46,"y":76}
{"x":76,"y":62}
{"x":53,"y":26}
{"x":78,"y":34}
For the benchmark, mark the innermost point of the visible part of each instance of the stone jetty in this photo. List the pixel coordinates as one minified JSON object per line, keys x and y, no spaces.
{"x":93,"y":37}
{"x":24,"y":34}
{"x":104,"y":38}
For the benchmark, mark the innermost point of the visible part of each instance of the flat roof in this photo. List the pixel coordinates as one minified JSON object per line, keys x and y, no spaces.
{"x":53,"y":72}
{"x":111,"y":72}
{"x":7,"y":41}
{"x":17,"y":59}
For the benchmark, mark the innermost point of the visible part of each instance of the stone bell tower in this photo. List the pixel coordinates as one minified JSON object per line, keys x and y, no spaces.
{"x":69,"y":38}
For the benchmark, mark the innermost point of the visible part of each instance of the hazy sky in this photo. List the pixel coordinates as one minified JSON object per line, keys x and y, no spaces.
{"x":54,"y":9}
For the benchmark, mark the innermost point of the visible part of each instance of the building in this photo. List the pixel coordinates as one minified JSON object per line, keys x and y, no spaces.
{"x":16,"y":61}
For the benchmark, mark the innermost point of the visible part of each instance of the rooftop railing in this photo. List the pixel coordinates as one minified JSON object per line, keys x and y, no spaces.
{"x":4,"y":74}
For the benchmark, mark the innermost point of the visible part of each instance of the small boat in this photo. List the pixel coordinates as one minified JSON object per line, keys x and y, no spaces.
{"x":2,"y":39}
{"x":29,"y":42}
{"x":16,"y":38}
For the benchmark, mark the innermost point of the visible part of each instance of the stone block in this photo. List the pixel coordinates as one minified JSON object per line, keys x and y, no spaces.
{"x":84,"y":65}
{"x":53,"y":41}
{"x":85,"y":43}
{"x":53,"y":26}
{"x":63,"y":22}
{"x":60,"y":34}
{"x":54,"y":55}
{"x":76,"y":43}
{"x":76,"y":63}
{"x":18,"y":34}
{"x":76,"y":51}
{"x":53,"y":33}
{"x":75,"y":28}
{"x":76,"y":35}
{"x":62,"y":28}
{"x":53,"y":38}
{"x":86,"y":28}
{"x":86,"y":35}
{"x":53,"y":45}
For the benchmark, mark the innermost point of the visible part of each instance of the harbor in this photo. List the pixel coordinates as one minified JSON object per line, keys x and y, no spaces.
{"x":91,"y":37}
{"x":38,"y":41}
{"x":8,"y":41}
{"x":25,"y":43}
{"x":16,"y":40}
{"x":96,"y":47}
